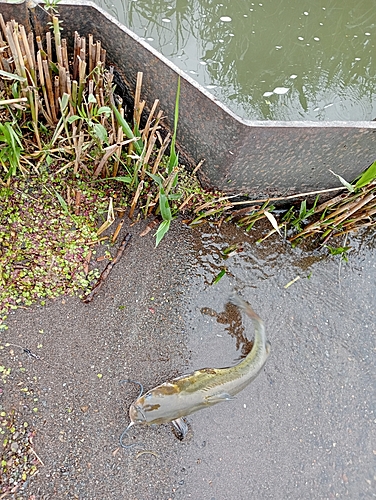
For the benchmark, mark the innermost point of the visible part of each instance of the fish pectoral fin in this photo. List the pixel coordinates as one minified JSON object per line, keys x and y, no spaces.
{"x":218,"y":398}
{"x":181,"y":428}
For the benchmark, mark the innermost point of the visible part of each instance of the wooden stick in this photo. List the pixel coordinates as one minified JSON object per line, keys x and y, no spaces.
{"x":88,"y":298}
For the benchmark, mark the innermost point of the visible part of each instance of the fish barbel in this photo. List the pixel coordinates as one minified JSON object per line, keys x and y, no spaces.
{"x":181,"y":396}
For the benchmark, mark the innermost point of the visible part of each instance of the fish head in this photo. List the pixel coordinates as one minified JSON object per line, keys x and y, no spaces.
{"x":136,"y":414}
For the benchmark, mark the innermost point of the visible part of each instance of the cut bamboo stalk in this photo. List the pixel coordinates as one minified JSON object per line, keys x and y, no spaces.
{"x":56,"y":91}
{"x":78,"y":151}
{"x":40,"y":47}
{"x":91,"y":88}
{"x":81,"y":80}
{"x":50,"y":93}
{"x":103,"y":56}
{"x":62,"y":80}
{"x":76,"y":52}
{"x":35,"y":113}
{"x":136,"y":111}
{"x":13,"y":49}
{"x":90,"y":52}
{"x":97,"y":53}
{"x":43,"y":85}
{"x":29,"y":58}
{"x":56,"y":28}
{"x":64,"y":53}
{"x":83,"y":49}
{"x":2,"y":25}
{"x":156,"y":123}
{"x":49,"y":45}
{"x":30,"y":40}
{"x":149,"y":120}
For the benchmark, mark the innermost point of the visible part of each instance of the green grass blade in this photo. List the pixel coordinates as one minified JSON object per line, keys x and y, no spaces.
{"x":368,"y":176}
{"x":161,"y":232}
{"x":174,"y":157}
{"x":164,"y":207}
{"x":127,"y":130}
{"x":219,"y":276}
{"x":343,"y":181}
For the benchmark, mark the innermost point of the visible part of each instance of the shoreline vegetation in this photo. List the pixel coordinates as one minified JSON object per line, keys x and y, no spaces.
{"x":74,"y":162}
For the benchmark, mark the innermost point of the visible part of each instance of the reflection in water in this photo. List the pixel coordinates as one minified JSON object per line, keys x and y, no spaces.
{"x":268,"y":60}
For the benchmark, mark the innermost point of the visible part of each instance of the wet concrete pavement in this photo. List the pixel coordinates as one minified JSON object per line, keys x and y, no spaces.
{"x":305,"y":428}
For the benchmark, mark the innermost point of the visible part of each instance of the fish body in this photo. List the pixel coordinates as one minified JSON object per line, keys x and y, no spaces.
{"x":203,"y":388}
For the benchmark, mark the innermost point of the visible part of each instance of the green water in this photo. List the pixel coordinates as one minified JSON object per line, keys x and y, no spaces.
{"x":273,"y":60}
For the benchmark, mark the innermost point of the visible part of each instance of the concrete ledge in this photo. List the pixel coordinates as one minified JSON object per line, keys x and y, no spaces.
{"x":260,"y":158}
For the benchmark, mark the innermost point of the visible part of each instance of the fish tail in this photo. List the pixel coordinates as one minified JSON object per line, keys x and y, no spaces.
{"x":242,"y":304}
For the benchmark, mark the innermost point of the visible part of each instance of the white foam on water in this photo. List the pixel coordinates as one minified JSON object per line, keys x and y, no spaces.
{"x":281,"y":90}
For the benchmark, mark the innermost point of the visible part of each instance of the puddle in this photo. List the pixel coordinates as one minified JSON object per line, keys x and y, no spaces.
{"x":304,"y":427}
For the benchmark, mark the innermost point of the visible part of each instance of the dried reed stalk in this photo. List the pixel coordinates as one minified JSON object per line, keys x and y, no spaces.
{"x":161,"y":152}
{"x":135,"y":198}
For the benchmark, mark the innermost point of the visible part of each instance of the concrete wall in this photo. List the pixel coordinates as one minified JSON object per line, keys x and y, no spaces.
{"x":261,"y":158}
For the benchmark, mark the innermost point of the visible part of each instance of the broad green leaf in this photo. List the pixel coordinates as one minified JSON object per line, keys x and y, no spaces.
{"x":91,"y":99}
{"x":12,"y":76}
{"x":127,"y":179}
{"x":62,"y":202}
{"x":337,"y":250}
{"x":347,"y":185}
{"x":105,"y":110}
{"x":54,"y":68}
{"x":368,"y":176}
{"x":162,"y":230}
{"x":164,"y":207}
{"x":303,"y":210}
{"x":73,"y":118}
{"x":156,"y":178}
{"x":100,"y":132}
{"x":127,"y":130}
{"x":64,"y":101}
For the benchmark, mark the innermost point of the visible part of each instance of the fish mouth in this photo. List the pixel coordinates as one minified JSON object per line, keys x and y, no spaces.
{"x":136,"y":414}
